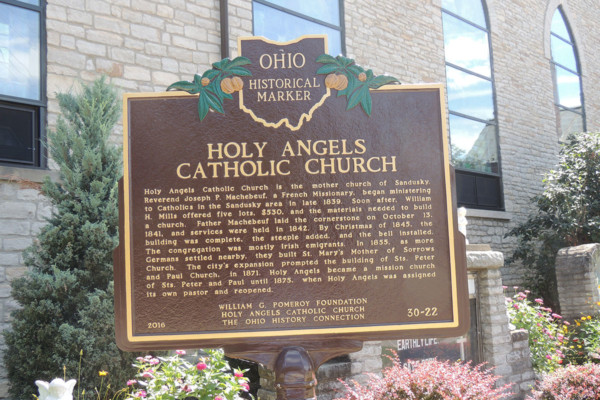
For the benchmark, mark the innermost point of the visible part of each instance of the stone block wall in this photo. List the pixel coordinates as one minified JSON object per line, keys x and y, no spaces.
{"x":578,"y":280}
{"x":505,"y":350}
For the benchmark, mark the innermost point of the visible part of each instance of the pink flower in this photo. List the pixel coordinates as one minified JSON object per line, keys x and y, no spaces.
{"x":219,"y":398}
{"x":566,"y":323}
{"x":148,"y":373}
{"x":245,"y":386}
{"x":201,"y":366}
{"x":548,"y":356}
{"x":516,"y":306}
{"x":539,"y":301}
{"x":186,"y":388}
{"x":131,"y":382}
{"x":141,"y":393}
{"x":140,"y":359}
{"x":180,"y":352}
{"x":238,"y":374}
{"x":554,"y":315}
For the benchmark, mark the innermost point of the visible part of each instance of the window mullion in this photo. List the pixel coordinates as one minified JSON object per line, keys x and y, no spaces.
{"x":468,"y":71}
{"x":299,"y":15}
{"x":466,"y":21}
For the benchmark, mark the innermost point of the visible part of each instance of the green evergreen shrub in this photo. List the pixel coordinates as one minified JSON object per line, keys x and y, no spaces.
{"x":567,"y":214}
{"x":66,"y":297}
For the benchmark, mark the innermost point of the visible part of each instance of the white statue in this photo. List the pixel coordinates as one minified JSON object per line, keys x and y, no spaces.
{"x":56,"y":390}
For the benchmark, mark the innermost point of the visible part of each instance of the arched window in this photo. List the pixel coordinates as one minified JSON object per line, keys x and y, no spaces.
{"x":471,"y":104}
{"x":567,"y":77}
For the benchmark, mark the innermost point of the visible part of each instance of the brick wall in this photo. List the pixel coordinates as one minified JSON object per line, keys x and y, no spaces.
{"x":144,"y":45}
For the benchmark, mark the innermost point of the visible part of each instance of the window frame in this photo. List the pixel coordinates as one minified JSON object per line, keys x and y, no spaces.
{"x":464,"y":173}
{"x":40,"y":106}
{"x":558,"y":107}
{"x":341,"y":28}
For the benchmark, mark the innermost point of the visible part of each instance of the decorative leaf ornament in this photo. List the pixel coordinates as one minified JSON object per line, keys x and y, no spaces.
{"x":351,"y":80}
{"x":216,"y":84}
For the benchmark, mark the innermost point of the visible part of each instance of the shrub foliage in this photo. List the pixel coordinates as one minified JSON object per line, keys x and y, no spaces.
{"x":567,"y":214}
{"x":66,"y":297}
{"x":570,"y":383}
{"x":429,"y":380}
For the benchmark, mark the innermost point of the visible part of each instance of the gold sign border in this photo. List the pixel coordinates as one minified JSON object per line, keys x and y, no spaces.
{"x":286,"y":121}
{"x":283,"y":332}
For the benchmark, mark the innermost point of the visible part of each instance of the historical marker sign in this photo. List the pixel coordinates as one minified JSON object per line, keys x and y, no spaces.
{"x":295,"y":213}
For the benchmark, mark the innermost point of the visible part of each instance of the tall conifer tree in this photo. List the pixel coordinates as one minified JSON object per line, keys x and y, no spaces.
{"x":67,"y":294}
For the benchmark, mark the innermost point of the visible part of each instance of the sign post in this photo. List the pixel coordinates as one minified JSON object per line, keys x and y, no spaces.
{"x":291,"y":206}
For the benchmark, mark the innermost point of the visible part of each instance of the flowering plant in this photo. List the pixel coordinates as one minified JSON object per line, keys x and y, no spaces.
{"x":429,"y":379}
{"x":168,"y":378}
{"x":546,"y":330}
{"x":569,"y":383}
{"x":584,"y":340}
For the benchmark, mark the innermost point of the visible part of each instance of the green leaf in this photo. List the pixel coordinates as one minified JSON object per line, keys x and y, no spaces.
{"x":202,"y":107}
{"x":221,"y":64}
{"x":344,"y":61}
{"x":197,"y":79}
{"x":213,"y":101}
{"x":366,"y":103}
{"x":357,"y":96}
{"x":326,"y":59}
{"x":327,"y":69}
{"x":210,"y":74}
{"x":381,"y":80}
{"x":239,"y":71}
{"x":238,"y":61}
{"x":186,"y":86}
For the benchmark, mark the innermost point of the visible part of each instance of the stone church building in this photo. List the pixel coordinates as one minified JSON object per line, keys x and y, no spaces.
{"x":519,"y":76}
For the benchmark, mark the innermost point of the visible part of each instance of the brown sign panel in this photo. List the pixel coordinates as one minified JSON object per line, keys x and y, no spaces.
{"x":240,"y":228}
